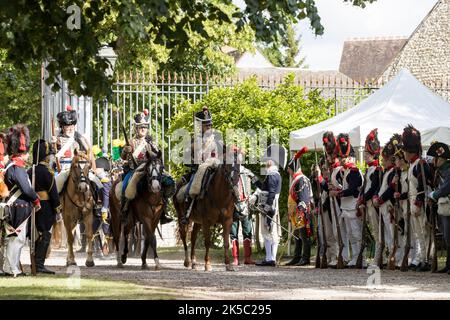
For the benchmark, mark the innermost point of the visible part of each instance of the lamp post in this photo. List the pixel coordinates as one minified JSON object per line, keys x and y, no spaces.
{"x":110,"y":55}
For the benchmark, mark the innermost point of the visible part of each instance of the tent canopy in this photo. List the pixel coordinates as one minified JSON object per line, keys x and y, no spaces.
{"x":402,"y":101}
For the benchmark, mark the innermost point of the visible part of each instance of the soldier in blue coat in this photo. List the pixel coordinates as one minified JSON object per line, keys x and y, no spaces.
{"x":21,"y":200}
{"x":47,"y":191}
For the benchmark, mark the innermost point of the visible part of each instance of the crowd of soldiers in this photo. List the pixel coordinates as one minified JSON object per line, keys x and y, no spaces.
{"x":396,"y":201}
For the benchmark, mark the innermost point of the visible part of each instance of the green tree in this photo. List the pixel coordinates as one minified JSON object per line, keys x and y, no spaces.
{"x":285,"y":53}
{"x":37,"y":30}
{"x":20,"y":101}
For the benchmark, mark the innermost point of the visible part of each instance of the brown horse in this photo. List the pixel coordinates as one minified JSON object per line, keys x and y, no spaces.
{"x":216,"y":207}
{"x":146,"y":208}
{"x":78,"y":202}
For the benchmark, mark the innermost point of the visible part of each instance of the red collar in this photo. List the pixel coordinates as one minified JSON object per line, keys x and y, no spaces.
{"x":18,"y":161}
{"x":416,"y":156}
{"x":336,"y":164}
{"x":389,"y":168}
{"x":374,"y":163}
{"x":349,"y":165}
{"x":298,"y":173}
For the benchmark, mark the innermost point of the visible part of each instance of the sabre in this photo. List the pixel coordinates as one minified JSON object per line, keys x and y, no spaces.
{"x":33,"y":218}
{"x":264,"y":214}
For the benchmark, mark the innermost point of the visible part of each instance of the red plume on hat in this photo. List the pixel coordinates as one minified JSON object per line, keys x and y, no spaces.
{"x":372,"y":143}
{"x":301,"y":152}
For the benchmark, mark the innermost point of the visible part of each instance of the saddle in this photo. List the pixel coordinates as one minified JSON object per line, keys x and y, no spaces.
{"x":202,"y":187}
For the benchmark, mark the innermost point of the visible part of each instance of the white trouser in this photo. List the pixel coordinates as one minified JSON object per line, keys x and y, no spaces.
{"x":61,"y":179}
{"x":330,"y":239}
{"x":13,"y":250}
{"x":342,"y":229}
{"x":420,"y":234}
{"x":388,"y":227}
{"x":271,"y":250}
{"x":353,"y":225}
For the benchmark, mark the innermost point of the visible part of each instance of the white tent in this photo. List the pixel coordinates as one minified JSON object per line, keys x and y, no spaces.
{"x":402,"y":101}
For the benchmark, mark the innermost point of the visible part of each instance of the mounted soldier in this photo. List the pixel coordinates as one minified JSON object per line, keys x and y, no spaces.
{"x":299,"y":210}
{"x":50,"y":205}
{"x":419,"y":171}
{"x":21,"y":200}
{"x":137,"y":154}
{"x":202,"y":156}
{"x":275,"y":156}
{"x":67,"y":141}
{"x":441,"y":153}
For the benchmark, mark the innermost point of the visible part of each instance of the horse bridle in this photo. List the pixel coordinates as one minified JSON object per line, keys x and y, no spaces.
{"x":153,"y":165}
{"x":82,"y":178}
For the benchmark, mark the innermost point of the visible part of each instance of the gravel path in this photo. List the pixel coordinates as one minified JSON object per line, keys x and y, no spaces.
{"x":251,"y":282}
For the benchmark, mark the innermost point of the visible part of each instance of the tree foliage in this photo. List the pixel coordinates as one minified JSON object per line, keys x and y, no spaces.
{"x":37,"y":30}
{"x":285,"y":53}
{"x":20,"y":101}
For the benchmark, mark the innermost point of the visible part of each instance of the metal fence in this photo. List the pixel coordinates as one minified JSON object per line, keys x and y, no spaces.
{"x":162,"y":94}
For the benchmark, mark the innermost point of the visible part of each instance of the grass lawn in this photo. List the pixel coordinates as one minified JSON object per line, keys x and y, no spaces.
{"x":61,"y":287}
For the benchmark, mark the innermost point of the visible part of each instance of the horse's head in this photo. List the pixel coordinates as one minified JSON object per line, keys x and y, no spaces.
{"x":154,"y":169}
{"x":79,"y":171}
{"x":232,"y":165}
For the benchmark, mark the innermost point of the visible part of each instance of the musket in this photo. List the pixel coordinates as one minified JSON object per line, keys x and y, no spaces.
{"x":128,"y":143}
{"x":381,"y":235}
{"x":33,"y":224}
{"x":359,"y":260}
{"x":267,"y":216}
{"x":393,"y":251}
{"x":404,"y":266}
{"x":340,"y":259}
{"x":321,"y":261}
{"x":55,"y":147}
{"x":432,"y":244}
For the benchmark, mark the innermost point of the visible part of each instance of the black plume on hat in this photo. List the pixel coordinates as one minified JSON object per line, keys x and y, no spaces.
{"x":67,"y":117}
{"x":18,"y":139}
{"x":329,"y":142}
{"x":411,"y":140}
{"x":344,"y":147}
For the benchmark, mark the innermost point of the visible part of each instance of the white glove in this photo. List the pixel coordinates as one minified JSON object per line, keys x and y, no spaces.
{"x":252,"y":199}
{"x":53,"y":140}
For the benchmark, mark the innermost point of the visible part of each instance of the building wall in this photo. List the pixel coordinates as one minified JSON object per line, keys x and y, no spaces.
{"x":427,"y":53}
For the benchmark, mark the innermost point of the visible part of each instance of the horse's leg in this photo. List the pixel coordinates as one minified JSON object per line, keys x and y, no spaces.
{"x":126,"y":232}
{"x":195,"y":230}
{"x":120,"y":246}
{"x":207,"y":236}
{"x":144,"y":250}
{"x":69,"y":226}
{"x":88,"y":218}
{"x":226,"y":226}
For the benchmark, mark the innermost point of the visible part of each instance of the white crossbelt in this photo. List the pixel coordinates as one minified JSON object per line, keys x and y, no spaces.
{"x":65,"y":147}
